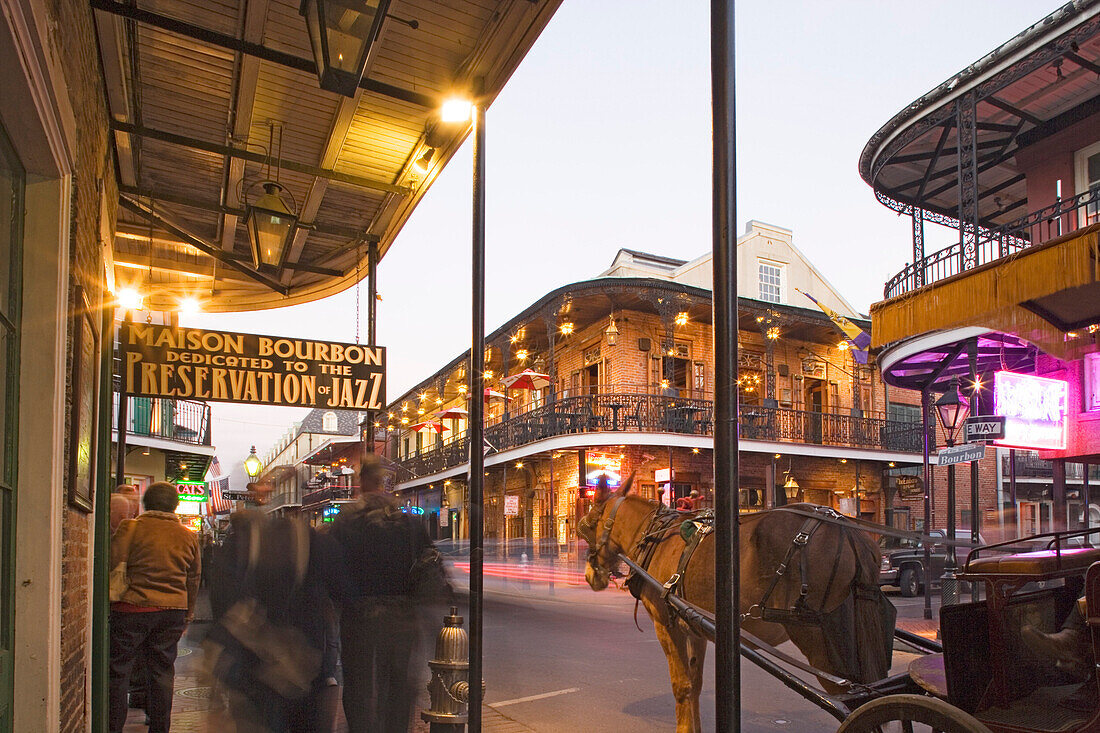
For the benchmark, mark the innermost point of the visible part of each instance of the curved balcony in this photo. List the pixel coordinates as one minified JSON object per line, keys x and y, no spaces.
{"x":645,"y":413}
{"x":1034,"y":229}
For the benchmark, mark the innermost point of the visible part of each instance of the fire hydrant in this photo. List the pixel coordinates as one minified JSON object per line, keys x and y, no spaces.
{"x":449,"y":688}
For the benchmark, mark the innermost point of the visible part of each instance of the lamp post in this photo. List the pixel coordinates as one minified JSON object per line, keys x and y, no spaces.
{"x":952,"y":410}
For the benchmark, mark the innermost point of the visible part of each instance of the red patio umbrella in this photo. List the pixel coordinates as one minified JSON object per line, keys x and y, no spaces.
{"x":527,"y":379}
{"x":453,"y":413}
{"x":429,"y":425}
{"x":491,"y":395}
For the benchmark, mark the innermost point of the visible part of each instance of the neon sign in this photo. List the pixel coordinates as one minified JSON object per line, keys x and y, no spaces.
{"x":191,"y":490}
{"x":603,"y":464}
{"x":1034,"y":409}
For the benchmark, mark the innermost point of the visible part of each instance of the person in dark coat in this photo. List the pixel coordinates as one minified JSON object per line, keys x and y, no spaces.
{"x":379,"y":627}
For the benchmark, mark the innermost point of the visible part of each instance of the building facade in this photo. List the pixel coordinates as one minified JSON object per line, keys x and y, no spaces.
{"x":1006,"y":152}
{"x":628,"y":388}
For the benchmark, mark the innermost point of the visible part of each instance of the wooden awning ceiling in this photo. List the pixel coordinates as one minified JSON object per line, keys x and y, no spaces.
{"x":1028,"y":88}
{"x":194,"y":90}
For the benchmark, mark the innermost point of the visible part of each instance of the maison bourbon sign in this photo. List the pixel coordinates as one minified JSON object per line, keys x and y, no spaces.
{"x":219,"y":366}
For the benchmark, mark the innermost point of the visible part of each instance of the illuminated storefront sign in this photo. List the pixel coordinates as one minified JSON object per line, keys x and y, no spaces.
{"x":1092,"y":382}
{"x":1034,"y":409}
{"x":191,"y":491}
{"x":603,"y":464}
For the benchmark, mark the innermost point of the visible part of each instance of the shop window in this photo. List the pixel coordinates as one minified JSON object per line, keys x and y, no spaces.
{"x":771,"y":281}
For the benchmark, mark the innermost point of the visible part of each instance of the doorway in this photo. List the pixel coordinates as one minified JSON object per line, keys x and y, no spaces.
{"x":590,"y":379}
{"x":675,"y":370}
{"x":815,"y":405}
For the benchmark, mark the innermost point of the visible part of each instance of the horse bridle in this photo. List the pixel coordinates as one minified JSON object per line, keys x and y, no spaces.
{"x":597,"y":547}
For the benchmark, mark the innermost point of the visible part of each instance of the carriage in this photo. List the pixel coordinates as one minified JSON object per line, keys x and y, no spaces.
{"x":982,"y":677}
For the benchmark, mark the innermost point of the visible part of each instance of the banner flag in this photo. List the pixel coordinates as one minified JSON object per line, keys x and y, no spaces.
{"x":857,"y":338}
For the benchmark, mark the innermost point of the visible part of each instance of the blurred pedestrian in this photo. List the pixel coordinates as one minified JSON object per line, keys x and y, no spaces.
{"x":379,"y":630}
{"x":124,"y":504}
{"x":149,"y":616}
{"x":271,"y":583}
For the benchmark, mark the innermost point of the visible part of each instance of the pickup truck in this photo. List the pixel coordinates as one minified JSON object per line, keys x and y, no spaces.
{"x":903,"y":561}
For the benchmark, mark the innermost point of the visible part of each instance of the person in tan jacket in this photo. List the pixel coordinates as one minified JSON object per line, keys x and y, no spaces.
{"x":163,"y":566}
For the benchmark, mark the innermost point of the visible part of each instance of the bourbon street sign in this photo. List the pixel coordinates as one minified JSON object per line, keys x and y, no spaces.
{"x":218,"y":366}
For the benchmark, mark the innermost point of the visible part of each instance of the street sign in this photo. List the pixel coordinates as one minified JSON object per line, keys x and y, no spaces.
{"x":987,"y":427}
{"x":237,"y":495}
{"x":511,"y":505}
{"x":964,"y":453}
{"x":663,"y":475}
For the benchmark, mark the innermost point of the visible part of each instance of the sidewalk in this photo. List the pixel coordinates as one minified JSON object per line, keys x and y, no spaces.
{"x":193,"y":711}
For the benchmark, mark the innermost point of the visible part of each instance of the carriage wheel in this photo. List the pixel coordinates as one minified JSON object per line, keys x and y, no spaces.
{"x":911,"y":713}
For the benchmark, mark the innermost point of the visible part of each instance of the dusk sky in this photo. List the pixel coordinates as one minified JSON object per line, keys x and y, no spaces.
{"x":601,"y":140}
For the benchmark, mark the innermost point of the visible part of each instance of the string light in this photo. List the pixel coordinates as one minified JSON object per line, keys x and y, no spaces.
{"x":681,"y":318}
{"x":773,"y":333}
{"x":488,"y":374}
{"x":566,"y":328}
{"x":462,"y":388}
{"x":843,"y":346}
{"x":522,"y":354}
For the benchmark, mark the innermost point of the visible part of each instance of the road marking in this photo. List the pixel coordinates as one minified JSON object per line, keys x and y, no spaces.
{"x":530,"y":698}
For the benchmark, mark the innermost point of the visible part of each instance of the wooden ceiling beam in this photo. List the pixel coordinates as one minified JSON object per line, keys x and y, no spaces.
{"x":222,"y":40}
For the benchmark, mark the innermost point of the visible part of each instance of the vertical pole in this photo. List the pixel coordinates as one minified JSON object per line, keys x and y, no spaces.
{"x":858,"y":507}
{"x":918,"y":247}
{"x":101,"y":645}
{"x":366,"y":434}
{"x":925,"y":405}
{"x":975,"y":497}
{"x":1059,"y":509}
{"x":966,"y":125}
{"x":123,"y":403}
{"x":1012,"y":492}
{"x":476,"y":429}
{"x":727,"y":667}
{"x":1085,"y":498}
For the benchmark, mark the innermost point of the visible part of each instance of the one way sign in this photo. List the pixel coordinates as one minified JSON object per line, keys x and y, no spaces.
{"x":988,"y":427}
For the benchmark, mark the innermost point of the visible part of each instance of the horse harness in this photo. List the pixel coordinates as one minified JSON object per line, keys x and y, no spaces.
{"x":800,"y":612}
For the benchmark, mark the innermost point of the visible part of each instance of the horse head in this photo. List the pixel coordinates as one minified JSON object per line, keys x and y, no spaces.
{"x":597,"y":529}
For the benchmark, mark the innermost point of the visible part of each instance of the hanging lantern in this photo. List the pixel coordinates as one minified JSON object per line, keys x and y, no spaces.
{"x":612,"y":333}
{"x":271,"y":224}
{"x":953,"y":410}
{"x":341,"y":33}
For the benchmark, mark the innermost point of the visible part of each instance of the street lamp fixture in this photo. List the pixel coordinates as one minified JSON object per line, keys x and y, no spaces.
{"x":791,"y":488}
{"x":612,"y":333}
{"x":129,"y":299}
{"x":953,"y":409}
{"x":271,"y":224}
{"x":456,"y":109}
{"x":341,"y":34}
{"x":252,"y":464}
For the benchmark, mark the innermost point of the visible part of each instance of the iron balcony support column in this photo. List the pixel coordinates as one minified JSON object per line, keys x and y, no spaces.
{"x":727,"y":667}
{"x":925,"y":406}
{"x":918,"y":247}
{"x":1012,"y":491}
{"x":476,"y":429}
{"x":975,"y":512}
{"x":966,"y":124}
{"x":123,"y":404}
{"x":372,"y":316}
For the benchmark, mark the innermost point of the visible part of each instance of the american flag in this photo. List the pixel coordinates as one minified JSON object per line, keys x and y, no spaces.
{"x":217,"y":504}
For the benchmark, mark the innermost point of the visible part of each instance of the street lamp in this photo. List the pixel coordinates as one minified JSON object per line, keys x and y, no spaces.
{"x":612,"y":333}
{"x":790,"y":488}
{"x":952,"y":409}
{"x":271,"y":224}
{"x":341,"y":34}
{"x":252,"y":464}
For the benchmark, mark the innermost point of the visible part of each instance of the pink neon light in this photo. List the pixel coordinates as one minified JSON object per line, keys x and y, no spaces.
{"x":1034,"y":409}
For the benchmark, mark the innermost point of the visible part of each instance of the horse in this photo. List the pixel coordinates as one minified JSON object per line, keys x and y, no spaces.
{"x":785,"y":593}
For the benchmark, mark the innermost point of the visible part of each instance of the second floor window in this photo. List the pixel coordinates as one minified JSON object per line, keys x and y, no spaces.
{"x":329,"y":423}
{"x":903,"y":413}
{"x":771,"y":281}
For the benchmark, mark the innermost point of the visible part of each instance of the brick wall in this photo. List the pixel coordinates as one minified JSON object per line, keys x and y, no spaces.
{"x":73,"y":42}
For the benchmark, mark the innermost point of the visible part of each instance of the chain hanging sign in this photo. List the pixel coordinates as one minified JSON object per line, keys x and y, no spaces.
{"x":219,"y":366}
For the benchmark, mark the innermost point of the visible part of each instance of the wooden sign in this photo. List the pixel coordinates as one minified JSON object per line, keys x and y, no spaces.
{"x":219,"y":366}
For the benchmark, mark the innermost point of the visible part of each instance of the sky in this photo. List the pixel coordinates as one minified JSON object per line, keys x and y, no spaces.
{"x":601,"y":140}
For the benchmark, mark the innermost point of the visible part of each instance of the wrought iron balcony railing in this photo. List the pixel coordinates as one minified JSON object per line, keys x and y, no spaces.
{"x":643,"y":413}
{"x":1033,"y":229}
{"x":184,"y":421}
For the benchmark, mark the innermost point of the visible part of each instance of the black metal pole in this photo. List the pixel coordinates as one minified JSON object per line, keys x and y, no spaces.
{"x":1085,"y":498}
{"x":727,"y":666}
{"x":975,"y":512}
{"x":925,"y":405}
{"x":476,"y":429}
{"x":123,"y":403}
{"x":366,"y":430}
{"x":1012,"y":492}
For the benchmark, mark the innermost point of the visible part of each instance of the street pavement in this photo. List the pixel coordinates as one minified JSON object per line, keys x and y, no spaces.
{"x":560,"y":657}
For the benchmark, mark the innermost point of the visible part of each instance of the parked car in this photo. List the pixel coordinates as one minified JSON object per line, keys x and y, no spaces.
{"x":903,"y":561}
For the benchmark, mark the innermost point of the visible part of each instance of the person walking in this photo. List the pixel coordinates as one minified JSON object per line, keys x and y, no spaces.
{"x":379,"y":629}
{"x":124,"y":504}
{"x":163,"y":565}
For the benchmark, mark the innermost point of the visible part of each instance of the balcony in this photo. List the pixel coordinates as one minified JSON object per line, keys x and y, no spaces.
{"x":644,"y":413}
{"x":1034,"y":229}
{"x":182,"y":421}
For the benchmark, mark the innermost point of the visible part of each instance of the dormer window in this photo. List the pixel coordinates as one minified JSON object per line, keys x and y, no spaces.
{"x":329,"y":423}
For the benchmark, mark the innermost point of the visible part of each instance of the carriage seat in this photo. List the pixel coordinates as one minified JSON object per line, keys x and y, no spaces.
{"x":1043,"y":562}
